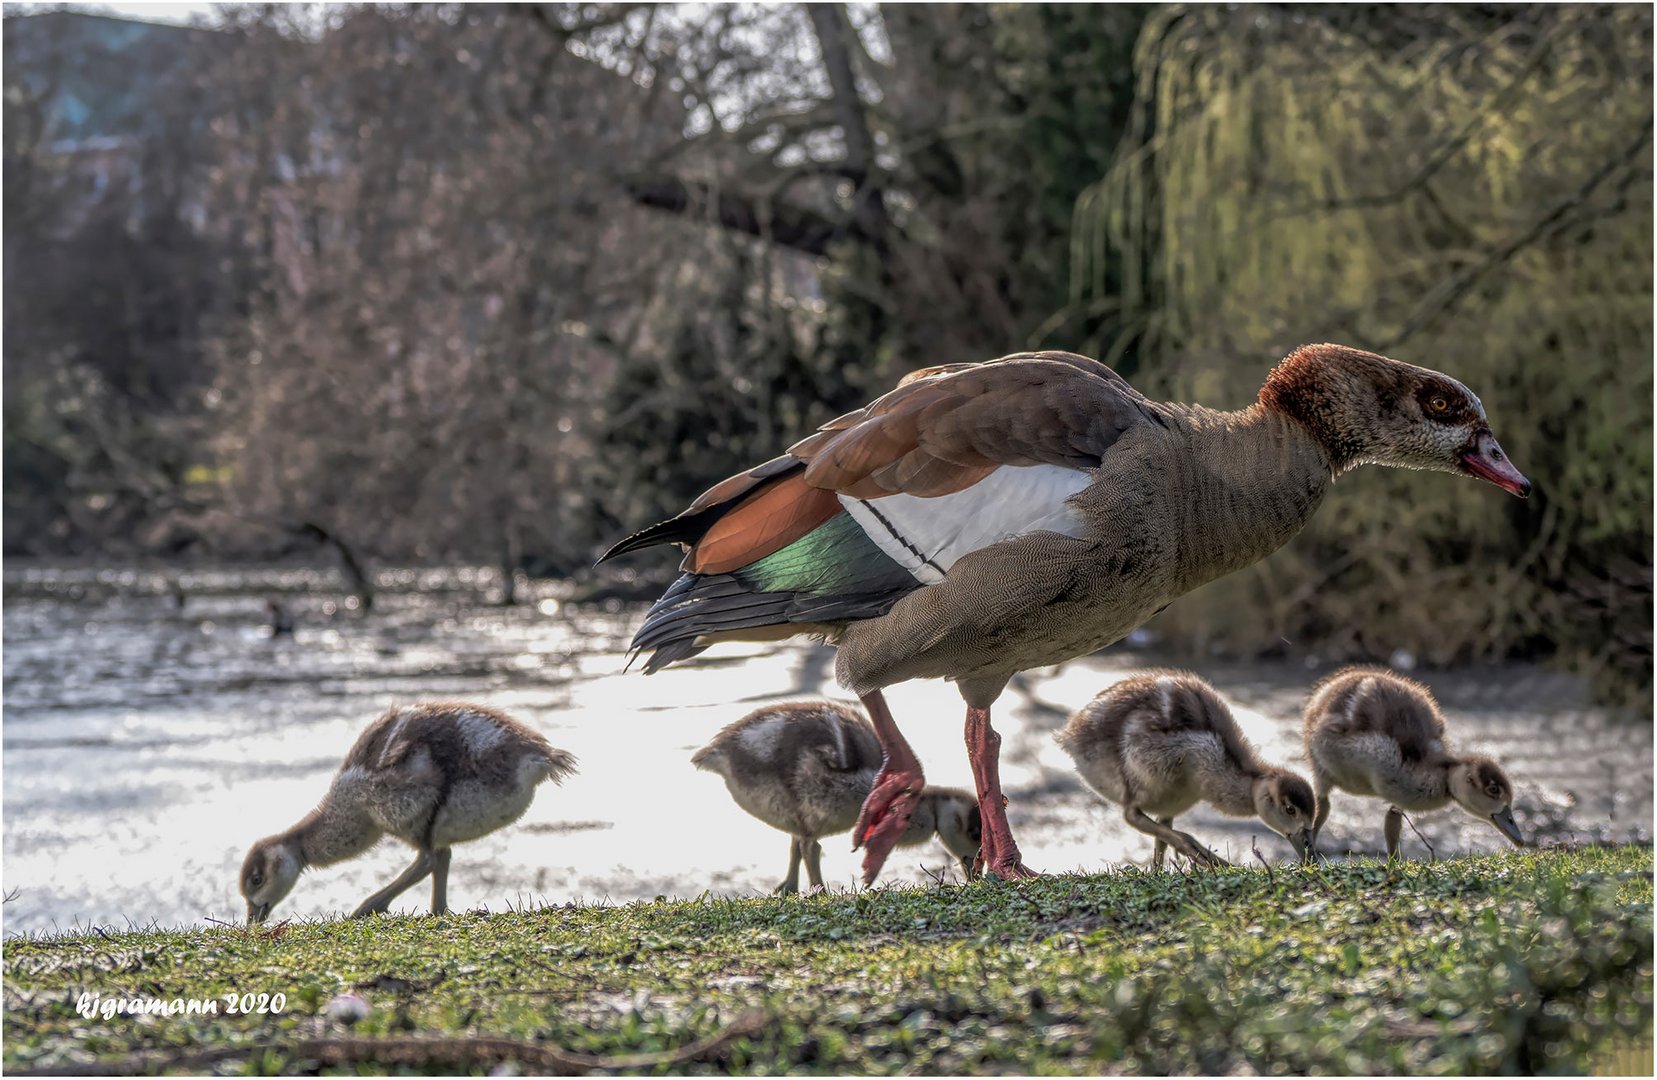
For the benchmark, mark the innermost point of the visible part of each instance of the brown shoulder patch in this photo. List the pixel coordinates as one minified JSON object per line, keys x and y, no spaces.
{"x":765,"y":522}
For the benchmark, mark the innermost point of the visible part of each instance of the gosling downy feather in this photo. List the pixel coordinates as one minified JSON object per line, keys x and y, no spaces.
{"x":1374,"y":733}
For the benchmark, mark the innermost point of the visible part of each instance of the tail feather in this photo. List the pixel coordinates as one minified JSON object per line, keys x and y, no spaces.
{"x":694,"y":615}
{"x":826,"y":570}
{"x":671,"y":653}
{"x":560,"y":764}
{"x":698,"y":605}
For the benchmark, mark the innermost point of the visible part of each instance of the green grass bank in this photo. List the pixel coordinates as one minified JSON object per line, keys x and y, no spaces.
{"x":1524,"y":962}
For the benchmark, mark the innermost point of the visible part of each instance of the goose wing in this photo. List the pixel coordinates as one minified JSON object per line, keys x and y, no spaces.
{"x":884,"y":500}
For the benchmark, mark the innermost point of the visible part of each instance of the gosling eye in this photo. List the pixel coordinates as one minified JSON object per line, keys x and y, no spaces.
{"x":1493,"y":791}
{"x":1290,"y":810}
{"x":256,"y":879}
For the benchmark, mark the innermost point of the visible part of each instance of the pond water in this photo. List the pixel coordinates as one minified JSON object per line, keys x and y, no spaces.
{"x":148,"y":742}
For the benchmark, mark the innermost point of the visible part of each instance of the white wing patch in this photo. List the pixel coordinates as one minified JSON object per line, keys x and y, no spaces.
{"x":927,"y":536}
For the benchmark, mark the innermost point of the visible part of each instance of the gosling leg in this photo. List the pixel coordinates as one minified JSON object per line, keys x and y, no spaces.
{"x":1182,"y":842}
{"x":814,"y":864}
{"x":380,"y":901}
{"x":1161,"y":846}
{"x":1322,"y":785}
{"x":440,"y":880}
{"x":791,"y":884}
{"x":1394,"y":830}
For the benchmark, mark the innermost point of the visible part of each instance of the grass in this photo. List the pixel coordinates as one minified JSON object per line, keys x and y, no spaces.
{"x":1524,"y":962}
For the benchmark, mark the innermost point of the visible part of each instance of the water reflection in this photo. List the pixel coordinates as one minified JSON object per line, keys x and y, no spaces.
{"x":147,"y":745}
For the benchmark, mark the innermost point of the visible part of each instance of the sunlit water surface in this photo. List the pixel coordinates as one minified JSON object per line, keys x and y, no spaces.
{"x":148,"y":743}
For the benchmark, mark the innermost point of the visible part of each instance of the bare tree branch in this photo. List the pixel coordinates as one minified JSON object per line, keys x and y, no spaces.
{"x":608,"y":15}
{"x":781,"y":223}
{"x":835,"y":38}
{"x":1451,"y":146}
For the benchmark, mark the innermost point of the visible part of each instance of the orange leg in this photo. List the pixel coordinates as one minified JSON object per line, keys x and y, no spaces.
{"x":1000,"y":852}
{"x":897,"y":789}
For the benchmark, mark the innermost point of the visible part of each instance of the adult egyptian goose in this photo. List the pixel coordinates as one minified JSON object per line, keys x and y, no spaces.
{"x":1161,"y":742}
{"x":805,"y":767}
{"x":981,"y":519}
{"x":1372,"y":732}
{"x":432,"y":776}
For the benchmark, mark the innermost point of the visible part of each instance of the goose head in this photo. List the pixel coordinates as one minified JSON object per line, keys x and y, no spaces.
{"x":1483,"y":789}
{"x":1286,"y":804}
{"x":268,"y":874}
{"x":1368,"y":409}
{"x":960,"y":826}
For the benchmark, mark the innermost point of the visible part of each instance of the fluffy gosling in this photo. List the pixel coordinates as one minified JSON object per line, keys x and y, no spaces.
{"x":805,"y":767}
{"x":432,"y":776}
{"x":1371,"y":732}
{"x":1159,"y":743}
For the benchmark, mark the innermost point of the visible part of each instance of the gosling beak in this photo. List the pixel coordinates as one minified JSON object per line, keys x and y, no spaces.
{"x":257,"y":913}
{"x":970,"y":864}
{"x":1483,"y":458}
{"x":1302,"y":840}
{"x":1503,"y":820}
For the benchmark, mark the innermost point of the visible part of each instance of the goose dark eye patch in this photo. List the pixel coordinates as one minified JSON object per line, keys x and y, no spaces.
{"x":1458,"y":409}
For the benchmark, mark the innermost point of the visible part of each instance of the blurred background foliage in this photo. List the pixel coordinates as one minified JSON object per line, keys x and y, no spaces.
{"x":431,"y":283}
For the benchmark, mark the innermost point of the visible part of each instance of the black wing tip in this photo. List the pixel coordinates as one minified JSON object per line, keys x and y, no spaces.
{"x":688,"y":527}
{"x":671,"y":653}
{"x":644,"y":538}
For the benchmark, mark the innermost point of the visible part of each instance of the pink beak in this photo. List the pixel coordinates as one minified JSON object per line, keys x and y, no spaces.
{"x":1483,"y":458}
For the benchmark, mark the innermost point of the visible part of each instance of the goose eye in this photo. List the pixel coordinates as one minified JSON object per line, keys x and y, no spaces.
{"x":1439,"y":404}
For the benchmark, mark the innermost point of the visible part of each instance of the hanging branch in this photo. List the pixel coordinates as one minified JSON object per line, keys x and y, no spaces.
{"x":1451,"y":291}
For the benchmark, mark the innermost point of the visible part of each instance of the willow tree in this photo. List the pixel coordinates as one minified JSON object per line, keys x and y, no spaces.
{"x":1470,"y":190}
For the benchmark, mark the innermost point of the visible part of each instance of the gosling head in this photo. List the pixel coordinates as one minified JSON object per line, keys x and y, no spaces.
{"x":1480,"y":785}
{"x":960,"y":827}
{"x":1285,"y":803}
{"x":1368,"y":408}
{"x":268,"y":874}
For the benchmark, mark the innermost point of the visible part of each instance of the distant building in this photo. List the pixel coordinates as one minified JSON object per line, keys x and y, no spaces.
{"x":101,"y":84}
